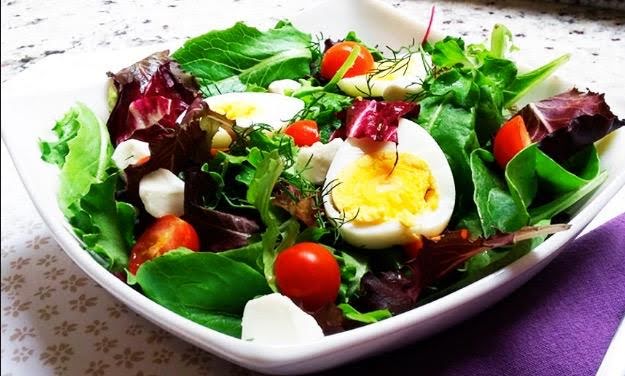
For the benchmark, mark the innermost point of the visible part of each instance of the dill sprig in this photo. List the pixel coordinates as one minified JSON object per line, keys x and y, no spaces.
{"x":398,"y":61}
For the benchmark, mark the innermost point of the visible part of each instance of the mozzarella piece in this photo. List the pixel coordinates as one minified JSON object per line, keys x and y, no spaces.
{"x":162,"y":193}
{"x":130,"y":153}
{"x":314,"y":161}
{"x":275,"y":320}
{"x":284,"y":87}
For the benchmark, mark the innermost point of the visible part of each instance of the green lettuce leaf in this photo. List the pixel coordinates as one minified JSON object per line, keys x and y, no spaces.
{"x":322,"y":107}
{"x":375,"y":53}
{"x":352,"y":267}
{"x":230,"y":60}
{"x":88,"y":183}
{"x":204,"y":287}
{"x":367,"y":317}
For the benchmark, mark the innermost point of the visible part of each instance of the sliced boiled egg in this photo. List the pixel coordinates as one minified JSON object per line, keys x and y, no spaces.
{"x":396,"y":78}
{"x":250,"y":108}
{"x":382,"y":194}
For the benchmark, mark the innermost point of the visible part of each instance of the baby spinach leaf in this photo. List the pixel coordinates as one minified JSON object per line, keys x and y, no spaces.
{"x":558,"y":179}
{"x":525,"y":82}
{"x":521,"y":176}
{"x":250,"y":255}
{"x":229,"y":60}
{"x":453,"y":129}
{"x":204,"y":287}
{"x":563,"y":202}
{"x":496,"y":207}
{"x":87,"y":185}
{"x":532,"y":171}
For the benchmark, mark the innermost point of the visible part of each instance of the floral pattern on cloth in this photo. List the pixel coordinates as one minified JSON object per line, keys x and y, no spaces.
{"x":57,"y":321}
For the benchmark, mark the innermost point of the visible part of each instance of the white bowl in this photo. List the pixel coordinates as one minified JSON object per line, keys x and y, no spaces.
{"x":33,"y":100}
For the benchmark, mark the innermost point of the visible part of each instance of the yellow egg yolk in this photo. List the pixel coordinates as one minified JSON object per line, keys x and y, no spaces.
{"x":384,"y":186}
{"x":234,"y":110}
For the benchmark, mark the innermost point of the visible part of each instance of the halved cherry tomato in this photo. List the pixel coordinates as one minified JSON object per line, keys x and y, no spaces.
{"x":304,"y":132}
{"x":511,"y":138}
{"x":412,"y":249}
{"x":336,"y":55}
{"x":167,"y":233}
{"x":308,"y":273}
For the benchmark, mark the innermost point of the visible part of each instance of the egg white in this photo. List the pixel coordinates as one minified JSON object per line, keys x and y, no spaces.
{"x":392,"y":79}
{"x":412,"y":139}
{"x":272,"y":109}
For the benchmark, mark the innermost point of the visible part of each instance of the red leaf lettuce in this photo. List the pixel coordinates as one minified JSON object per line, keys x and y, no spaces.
{"x":377,"y":120}
{"x":151,"y":92}
{"x":563,"y":124}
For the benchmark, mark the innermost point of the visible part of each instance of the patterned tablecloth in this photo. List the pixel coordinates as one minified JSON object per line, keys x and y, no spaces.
{"x":55,"y":320}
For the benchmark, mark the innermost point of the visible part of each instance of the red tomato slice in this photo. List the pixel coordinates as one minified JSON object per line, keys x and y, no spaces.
{"x":511,"y":138}
{"x":304,"y":132}
{"x":308,"y":273}
{"x":411,"y":250}
{"x":336,"y":55}
{"x":167,"y":233}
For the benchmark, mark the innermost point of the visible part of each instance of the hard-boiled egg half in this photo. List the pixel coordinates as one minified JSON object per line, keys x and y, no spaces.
{"x":382,"y":194}
{"x":391,"y":79}
{"x":248,"y":108}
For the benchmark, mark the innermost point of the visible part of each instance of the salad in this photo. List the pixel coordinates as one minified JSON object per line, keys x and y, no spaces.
{"x":278,"y":187}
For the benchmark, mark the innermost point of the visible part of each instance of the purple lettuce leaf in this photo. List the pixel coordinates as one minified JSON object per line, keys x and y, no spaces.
{"x":398,"y":290}
{"x":218,"y":230}
{"x":377,"y":120}
{"x":172,"y":148}
{"x":151,"y":92}
{"x":565,"y":123}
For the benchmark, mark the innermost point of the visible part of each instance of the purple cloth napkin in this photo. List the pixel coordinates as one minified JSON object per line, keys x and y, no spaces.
{"x":560,"y":323}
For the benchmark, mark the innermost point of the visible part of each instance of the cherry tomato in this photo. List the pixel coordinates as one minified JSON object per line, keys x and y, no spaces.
{"x":167,"y":233}
{"x":511,"y":138}
{"x":336,"y":55}
{"x":411,"y":250}
{"x":304,"y":132}
{"x":308,"y":273}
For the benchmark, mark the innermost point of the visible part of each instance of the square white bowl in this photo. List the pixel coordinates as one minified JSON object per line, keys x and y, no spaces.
{"x":33,"y":100}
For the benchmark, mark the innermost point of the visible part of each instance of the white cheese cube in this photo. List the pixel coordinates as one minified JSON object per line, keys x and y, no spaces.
{"x":221,"y":139}
{"x":314,"y":161}
{"x":162,"y":193}
{"x":284,"y":87}
{"x":275,"y":320}
{"x":130,"y":153}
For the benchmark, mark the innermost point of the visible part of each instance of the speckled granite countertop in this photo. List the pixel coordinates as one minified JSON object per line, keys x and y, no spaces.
{"x":33,"y":29}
